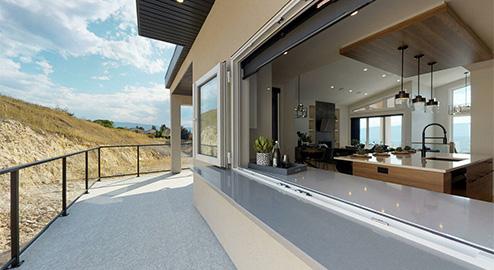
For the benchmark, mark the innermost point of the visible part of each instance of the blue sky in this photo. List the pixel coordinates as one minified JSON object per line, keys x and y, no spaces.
{"x":84,"y":56}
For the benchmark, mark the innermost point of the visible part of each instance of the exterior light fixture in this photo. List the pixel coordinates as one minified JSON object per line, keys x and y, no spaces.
{"x":180,"y":1}
{"x":432,"y":105}
{"x":402,"y":99}
{"x":418,"y":103}
{"x":300,"y":109}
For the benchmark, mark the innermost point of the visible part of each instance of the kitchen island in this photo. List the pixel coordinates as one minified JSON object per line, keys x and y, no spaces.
{"x":459,"y":174}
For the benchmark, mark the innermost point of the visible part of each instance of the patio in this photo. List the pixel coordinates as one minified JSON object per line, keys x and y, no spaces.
{"x":131,"y":223}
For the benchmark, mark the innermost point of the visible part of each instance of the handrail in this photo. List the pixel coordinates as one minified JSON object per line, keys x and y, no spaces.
{"x":15,"y":248}
{"x":39,"y":162}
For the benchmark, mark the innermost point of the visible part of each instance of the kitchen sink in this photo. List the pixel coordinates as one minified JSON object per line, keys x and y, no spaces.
{"x":446,"y":158}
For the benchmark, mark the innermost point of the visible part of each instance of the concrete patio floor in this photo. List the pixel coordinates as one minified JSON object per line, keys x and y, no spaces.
{"x":137,"y":223}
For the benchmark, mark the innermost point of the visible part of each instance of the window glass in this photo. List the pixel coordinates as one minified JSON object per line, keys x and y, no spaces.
{"x":461,"y":133}
{"x":208,"y":124}
{"x":375,"y":130}
{"x":462,"y":96}
{"x":393,"y":130}
{"x":363,"y":130}
{"x":390,"y":102}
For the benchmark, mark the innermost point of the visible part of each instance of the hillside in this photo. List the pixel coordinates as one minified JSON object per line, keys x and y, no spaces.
{"x":43,"y":119}
{"x":30,"y":132}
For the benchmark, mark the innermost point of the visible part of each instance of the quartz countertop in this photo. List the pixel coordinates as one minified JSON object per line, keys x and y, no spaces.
{"x":336,"y":241}
{"x":469,"y":220}
{"x":415,"y":161}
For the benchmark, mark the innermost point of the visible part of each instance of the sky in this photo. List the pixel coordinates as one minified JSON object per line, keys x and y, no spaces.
{"x":84,"y":56}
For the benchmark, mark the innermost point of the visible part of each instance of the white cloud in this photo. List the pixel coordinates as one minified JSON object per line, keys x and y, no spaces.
{"x":101,"y":78}
{"x":46,"y":68}
{"x":140,"y":104}
{"x":28,"y":27}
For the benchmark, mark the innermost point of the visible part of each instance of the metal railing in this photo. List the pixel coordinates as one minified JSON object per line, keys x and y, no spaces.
{"x":15,"y":245}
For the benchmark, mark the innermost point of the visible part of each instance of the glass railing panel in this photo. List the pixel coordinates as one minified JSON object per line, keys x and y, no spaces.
{"x":4,"y":218}
{"x":93,"y":166}
{"x":117,"y":161}
{"x":155,"y":158}
{"x":186,"y":154}
{"x":40,"y":198}
{"x":76,"y":177}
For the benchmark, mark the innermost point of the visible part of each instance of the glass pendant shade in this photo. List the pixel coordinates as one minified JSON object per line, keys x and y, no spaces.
{"x":432,"y":106}
{"x":418,"y":103}
{"x":402,"y":99}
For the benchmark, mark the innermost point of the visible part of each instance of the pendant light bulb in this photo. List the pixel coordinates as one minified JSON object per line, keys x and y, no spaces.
{"x":402,"y":99}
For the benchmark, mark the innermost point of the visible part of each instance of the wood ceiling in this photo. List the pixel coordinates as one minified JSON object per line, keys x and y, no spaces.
{"x":439,"y":34}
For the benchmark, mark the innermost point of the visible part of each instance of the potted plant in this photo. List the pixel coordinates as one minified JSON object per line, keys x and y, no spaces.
{"x":380,"y":150}
{"x":263,"y":147}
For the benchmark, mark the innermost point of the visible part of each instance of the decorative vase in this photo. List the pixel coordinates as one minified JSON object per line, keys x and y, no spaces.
{"x":263,"y":159}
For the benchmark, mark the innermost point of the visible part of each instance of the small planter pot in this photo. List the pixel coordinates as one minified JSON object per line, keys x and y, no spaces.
{"x":263,"y":159}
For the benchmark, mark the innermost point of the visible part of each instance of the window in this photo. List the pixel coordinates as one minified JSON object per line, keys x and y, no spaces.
{"x":363,"y":131}
{"x":462,"y":96}
{"x":208,"y":118}
{"x":461,"y":133}
{"x":461,"y":120}
{"x":208,"y":96}
{"x":379,"y":130}
{"x":375,"y":130}
{"x":393,"y":130}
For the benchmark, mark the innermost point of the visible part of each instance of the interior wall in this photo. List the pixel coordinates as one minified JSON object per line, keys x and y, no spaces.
{"x":260,"y":85}
{"x":482,"y":85}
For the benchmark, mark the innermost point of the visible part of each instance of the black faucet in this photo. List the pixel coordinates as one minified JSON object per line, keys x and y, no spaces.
{"x":445,"y":139}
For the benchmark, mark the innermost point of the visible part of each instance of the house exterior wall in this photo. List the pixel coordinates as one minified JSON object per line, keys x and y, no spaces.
{"x":228,"y":26}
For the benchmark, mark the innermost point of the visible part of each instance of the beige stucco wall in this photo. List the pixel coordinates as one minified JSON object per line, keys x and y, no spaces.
{"x":229,"y":25}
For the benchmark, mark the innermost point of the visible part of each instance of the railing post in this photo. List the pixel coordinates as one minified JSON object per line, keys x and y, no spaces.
{"x":87,"y":172}
{"x":138,"y":171}
{"x":14,"y":219}
{"x":99,"y":163}
{"x":64,"y":187}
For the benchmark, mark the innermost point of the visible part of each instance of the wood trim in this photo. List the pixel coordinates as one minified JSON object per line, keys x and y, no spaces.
{"x":438,"y":33}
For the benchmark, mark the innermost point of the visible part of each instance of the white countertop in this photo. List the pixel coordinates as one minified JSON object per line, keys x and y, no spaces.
{"x":415,"y":161}
{"x":457,"y":217}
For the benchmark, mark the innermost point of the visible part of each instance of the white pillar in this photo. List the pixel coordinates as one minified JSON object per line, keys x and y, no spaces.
{"x":176,"y":161}
{"x":176,"y":101}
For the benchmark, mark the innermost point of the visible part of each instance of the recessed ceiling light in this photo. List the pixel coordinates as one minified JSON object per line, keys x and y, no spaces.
{"x":354,"y":13}
{"x":365,"y":69}
{"x":398,"y":80}
{"x":365,"y":94}
{"x":384,"y":75}
{"x":285,"y":53}
{"x":180,"y":1}
{"x":350,"y":90}
{"x":332,"y":86}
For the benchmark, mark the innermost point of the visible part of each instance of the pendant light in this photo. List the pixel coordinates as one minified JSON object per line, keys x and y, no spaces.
{"x":418,"y":103}
{"x":461,"y":108}
{"x":432,"y":105}
{"x":402,"y":99}
{"x":300,"y":109}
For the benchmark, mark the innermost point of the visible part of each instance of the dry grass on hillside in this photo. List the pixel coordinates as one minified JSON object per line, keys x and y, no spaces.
{"x":43,"y":119}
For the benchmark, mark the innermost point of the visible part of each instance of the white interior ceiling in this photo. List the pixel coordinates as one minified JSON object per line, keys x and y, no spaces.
{"x":321,"y":65}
